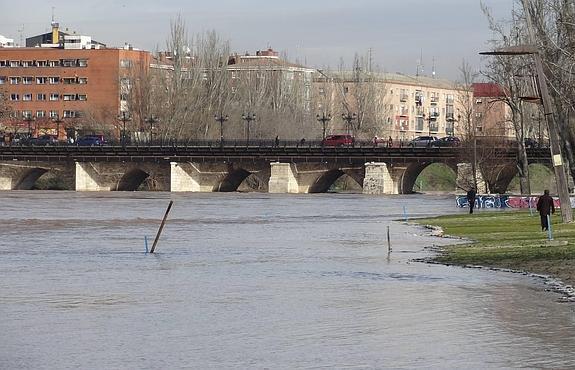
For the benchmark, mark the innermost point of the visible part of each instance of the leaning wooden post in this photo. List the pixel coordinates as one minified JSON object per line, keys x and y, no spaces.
{"x":161,"y":227}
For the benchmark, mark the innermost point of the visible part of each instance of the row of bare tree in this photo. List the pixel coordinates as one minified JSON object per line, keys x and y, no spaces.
{"x":554,"y":30}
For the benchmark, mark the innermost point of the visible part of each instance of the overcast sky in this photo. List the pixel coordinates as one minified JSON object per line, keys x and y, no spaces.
{"x":318,"y":33}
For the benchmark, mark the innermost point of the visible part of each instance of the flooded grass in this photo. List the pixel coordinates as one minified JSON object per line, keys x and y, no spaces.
{"x":510,"y":240}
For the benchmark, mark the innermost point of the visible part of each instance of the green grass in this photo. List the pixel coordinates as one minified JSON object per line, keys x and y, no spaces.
{"x":508,"y":239}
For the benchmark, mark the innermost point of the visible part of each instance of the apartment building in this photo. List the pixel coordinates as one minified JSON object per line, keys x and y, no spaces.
{"x":403,"y":106}
{"x":491,"y":115}
{"x":57,"y":87}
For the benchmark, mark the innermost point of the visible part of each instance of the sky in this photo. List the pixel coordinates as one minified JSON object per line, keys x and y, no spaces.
{"x":316,"y":33}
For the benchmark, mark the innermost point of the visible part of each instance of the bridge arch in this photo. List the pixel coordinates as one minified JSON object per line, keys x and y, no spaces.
{"x":132,"y":180}
{"x":235,"y":178}
{"x":29,"y":178}
{"x":328,"y":178}
{"x":409,"y":176}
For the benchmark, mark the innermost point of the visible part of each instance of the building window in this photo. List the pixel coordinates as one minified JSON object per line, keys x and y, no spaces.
{"x":68,"y":97}
{"x":2,"y":80}
{"x":478,"y":101}
{"x":53,"y":114}
{"x":82,"y":80}
{"x":4,"y":63}
{"x":82,"y":97}
{"x":14,"y":97}
{"x":53,"y":80}
{"x":69,"y":114}
{"x":40,"y":114}
{"x":419,"y":124}
{"x":82,"y":62}
{"x":125,"y":63}
{"x":54,"y":63}
{"x":27,"y":97}
{"x":68,"y":62}
{"x":345,"y":89}
{"x":124,"y":97}
{"x":68,"y":80}
{"x":27,"y":114}
{"x":27,"y":63}
{"x":42,"y":63}
{"x":41,"y":80}
{"x":41,"y":97}
{"x":14,"y":63}
{"x":27,"y":80}
{"x":54,"y":96}
{"x":14,"y":80}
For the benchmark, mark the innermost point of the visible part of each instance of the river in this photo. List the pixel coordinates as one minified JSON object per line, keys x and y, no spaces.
{"x":243,"y":281}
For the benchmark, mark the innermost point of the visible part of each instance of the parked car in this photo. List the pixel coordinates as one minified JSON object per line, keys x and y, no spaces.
{"x":43,"y":140}
{"x":91,"y":140}
{"x":422,"y":141}
{"x":338,"y":140}
{"x":446,"y":141}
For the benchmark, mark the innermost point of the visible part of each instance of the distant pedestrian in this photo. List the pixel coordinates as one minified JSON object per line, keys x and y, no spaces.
{"x":390,"y":142}
{"x":277,"y":141}
{"x":471,"y":199}
{"x":545,"y":207}
{"x":302,"y":141}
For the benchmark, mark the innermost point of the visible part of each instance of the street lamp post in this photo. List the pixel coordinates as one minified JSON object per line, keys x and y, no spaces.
{"x":29,"y":119}
{"x":554,"y":138}
{"x":248,"y":118}
{"x":57,"y":121}
{"x":348,"y":118}
{"x":221,"y":119}
{"x":151,"y":120}
{"x":324,"y":120}
{"x":124,"y":117}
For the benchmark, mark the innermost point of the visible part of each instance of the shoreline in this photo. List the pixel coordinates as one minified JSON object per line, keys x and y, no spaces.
{"x":555,"y":283}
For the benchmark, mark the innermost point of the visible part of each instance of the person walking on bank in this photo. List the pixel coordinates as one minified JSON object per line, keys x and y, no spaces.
{"x":545,"y":207}
{"x":471,"y":199}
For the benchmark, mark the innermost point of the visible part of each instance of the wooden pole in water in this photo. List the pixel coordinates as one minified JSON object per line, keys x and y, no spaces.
{"x":388,"y":241}
{"x":161,"y":227}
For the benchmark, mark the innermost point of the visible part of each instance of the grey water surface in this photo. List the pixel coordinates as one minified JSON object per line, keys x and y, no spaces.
{"x":252,"y":281}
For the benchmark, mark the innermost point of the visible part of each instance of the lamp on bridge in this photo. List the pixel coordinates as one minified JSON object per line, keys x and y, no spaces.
{"x":151,"y":120}
{"x":56,"y":119}
{"x":124,"y":117}
{"x":348,"y":118}
{"x":323,"y":119}
{"x":452,"y":121}
{"x":28,"y":118}
{"x":249,"y":117}
{"x":221,"y":119}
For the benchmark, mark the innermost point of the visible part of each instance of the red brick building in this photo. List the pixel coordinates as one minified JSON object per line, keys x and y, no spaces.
{"x":62,"y":86}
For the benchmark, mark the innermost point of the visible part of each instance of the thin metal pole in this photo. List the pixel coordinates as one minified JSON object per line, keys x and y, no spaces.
{"x":161,"y":227}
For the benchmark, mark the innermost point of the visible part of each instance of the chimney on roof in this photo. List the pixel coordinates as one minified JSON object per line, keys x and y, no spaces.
{"x":55,"y":33}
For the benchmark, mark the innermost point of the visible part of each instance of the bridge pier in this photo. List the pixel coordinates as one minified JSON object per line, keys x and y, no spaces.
{"x":283,"y":179}
{"x":378,"y":179}
{"x":87,"y":178}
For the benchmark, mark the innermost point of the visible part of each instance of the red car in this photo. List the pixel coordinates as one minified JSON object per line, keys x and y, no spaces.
{"x":338,"y":140}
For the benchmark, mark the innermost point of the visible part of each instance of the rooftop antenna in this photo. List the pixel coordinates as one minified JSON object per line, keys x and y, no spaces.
{"x":433,"y":68}
{"x":53,"y":13}
{"x":370,"y":59}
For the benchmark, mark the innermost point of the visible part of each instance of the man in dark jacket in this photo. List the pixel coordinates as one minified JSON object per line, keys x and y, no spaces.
{"x":471,"y":199}
{"x":545,"y":207}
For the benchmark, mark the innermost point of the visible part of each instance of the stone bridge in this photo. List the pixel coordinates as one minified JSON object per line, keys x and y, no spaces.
{"x":223,"y":169}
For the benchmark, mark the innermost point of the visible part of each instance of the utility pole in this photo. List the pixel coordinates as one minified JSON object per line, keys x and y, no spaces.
{"x":554,"y":138}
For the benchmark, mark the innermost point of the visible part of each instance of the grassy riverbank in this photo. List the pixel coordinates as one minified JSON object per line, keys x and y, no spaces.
{"x":510,"y":240}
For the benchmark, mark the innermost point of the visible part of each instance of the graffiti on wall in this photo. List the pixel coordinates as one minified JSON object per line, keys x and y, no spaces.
{"x":505,"y":201}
